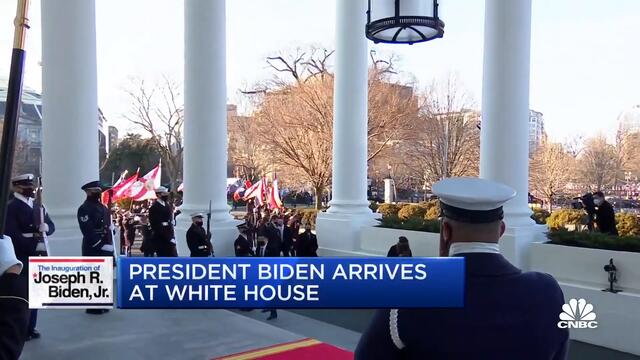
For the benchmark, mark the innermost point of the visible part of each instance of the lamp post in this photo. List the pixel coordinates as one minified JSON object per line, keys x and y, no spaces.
{"x":403,"y":21}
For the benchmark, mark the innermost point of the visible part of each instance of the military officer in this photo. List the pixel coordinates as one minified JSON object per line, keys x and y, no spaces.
{"x":161,"y":220}
{"x":21,"y":227}
{"x":198,"y":240}
{"x":507,"y":313}
{"x":95,"y":223}
{"x":242,"y":244}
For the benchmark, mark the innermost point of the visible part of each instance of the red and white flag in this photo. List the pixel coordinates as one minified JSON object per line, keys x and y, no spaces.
{"x":274,"y":195}
{"x":145,"y":187}
{"x":256,"y":191}
{"x":121,"y":189}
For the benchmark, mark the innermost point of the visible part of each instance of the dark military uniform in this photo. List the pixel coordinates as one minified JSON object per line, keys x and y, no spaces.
{"x":21,"y":227}
{"x":161,"y":220}
{"x":14,"y":315}
{"x":198,"y":242}
{"x":95,"y":220}
{"x":243,"y":247}
{"x":147,"y":241}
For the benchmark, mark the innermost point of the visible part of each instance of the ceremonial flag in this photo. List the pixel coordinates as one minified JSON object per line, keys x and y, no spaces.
{"x":236,"y":194}
{"x":105,"y":195}
{"x":122,"y":188}
{"x":275,"y":193}
{"x":145,"y":187}
{"x":256,"y":191}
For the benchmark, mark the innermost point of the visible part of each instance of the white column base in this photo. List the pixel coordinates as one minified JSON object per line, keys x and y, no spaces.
{"x":224,"y":232}
{"x":515,"y":244}
{"x":67,"y":239}
{"x":340,"y":231}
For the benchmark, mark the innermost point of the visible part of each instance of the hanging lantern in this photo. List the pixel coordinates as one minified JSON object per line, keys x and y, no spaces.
{"x":403,"y":21}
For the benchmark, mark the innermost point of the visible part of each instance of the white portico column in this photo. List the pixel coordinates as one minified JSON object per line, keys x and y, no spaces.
{"x":70,"y":115}
{"x":504,"y":146}
{"x":339,"y":228}
{"x":205,"y":124}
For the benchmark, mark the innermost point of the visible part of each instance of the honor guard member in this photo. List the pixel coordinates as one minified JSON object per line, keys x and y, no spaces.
{"x":507,"y":313}
{"x":197,"y":238}
{"x":161,"y":220}
{"x":242,"y":245}
{"x":21,"y":227}
{"x":95,"y":223}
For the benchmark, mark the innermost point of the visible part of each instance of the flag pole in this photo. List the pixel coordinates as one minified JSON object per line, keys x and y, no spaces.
{"x":12,"y":109}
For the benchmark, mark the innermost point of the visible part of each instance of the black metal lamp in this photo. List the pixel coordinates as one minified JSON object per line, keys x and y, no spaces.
{"x":403,"y":21}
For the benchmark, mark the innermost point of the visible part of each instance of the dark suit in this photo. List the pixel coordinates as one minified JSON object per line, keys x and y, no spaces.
{"x":161,"y":220}
{"x":508,"y":314}
{"x":606,"y":219}
{"x":243,"y":247}
{"x":94,"y":220}
{"x":198,"y":242}
{"x":393,"y":251}
{"x":307,"y":245}
{"x":274,"y":243}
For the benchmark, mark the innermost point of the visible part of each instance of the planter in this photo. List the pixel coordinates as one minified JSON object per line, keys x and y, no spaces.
{"x":584,"y":266}
{"x":377,"y":241}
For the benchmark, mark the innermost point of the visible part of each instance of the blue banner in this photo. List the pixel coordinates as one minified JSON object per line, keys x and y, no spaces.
{"x":289,"y":282}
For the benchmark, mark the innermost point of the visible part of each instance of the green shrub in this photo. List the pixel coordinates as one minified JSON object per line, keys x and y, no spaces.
{"x":627,"y":224}
{"x":560,"y":218}
{"x":540,"y":215}
{"x":413,"y":224}
{"x":388,"y":210}
{"x":411,"y":211}
{"x":374,"y":206}
{"x":595,"y":240}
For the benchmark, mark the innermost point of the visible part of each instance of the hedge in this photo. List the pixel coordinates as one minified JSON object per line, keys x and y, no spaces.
{"x":627,"y":224}
{"x":540,"y":216}
{"x":413,"y":224}
{"x":594,"y":240}
{"x":410,"y":211}
{"x":560,"y":218}
{"x":389,"y":210}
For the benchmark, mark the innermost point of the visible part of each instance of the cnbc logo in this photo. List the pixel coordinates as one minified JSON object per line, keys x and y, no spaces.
{"x":577,"y":314}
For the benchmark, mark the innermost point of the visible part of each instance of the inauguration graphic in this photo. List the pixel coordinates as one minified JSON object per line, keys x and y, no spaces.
{"x":290,"y":282}
{"x":70,"y":282}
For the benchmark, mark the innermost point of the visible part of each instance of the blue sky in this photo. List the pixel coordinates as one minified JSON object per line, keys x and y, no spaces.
{"x":584,"y":69}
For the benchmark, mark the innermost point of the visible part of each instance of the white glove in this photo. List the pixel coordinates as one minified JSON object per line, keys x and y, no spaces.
{"x":7,"y":255}
{"x":43,"y":228}
{"x":173,"y":241}
{"x":107,"y":247}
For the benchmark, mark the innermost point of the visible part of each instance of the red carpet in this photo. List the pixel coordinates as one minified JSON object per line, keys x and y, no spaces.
{"x":305,"y":349}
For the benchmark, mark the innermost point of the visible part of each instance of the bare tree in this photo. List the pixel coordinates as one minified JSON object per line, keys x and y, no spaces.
{"x":598,"y":163}
{"x":158,"y":110}
{"x":548,"y":175}
{"x":447,"y":137}
{"x":295,"y":114}
{"x":246,"y":152}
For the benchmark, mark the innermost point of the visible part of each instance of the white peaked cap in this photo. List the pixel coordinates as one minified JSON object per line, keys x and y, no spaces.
{"x":472,"y":199}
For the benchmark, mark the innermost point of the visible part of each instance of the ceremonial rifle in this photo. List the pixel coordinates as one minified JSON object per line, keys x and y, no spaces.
{"x":209,"y":230}
{"x":12,"y":109}
{"x":42,"y":247}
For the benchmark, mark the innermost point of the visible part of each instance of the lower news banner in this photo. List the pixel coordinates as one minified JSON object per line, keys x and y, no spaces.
{"x":70,"y":282}
{"x":218,"y":283}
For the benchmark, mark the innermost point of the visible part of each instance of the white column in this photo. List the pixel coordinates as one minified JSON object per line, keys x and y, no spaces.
{"x":205,"y":124}
{"x":339,"y":227}
{"x":504,"y":145}
{"x":70,"y":114}
{"x":389,"y":193}
{"x":349,"y":182}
